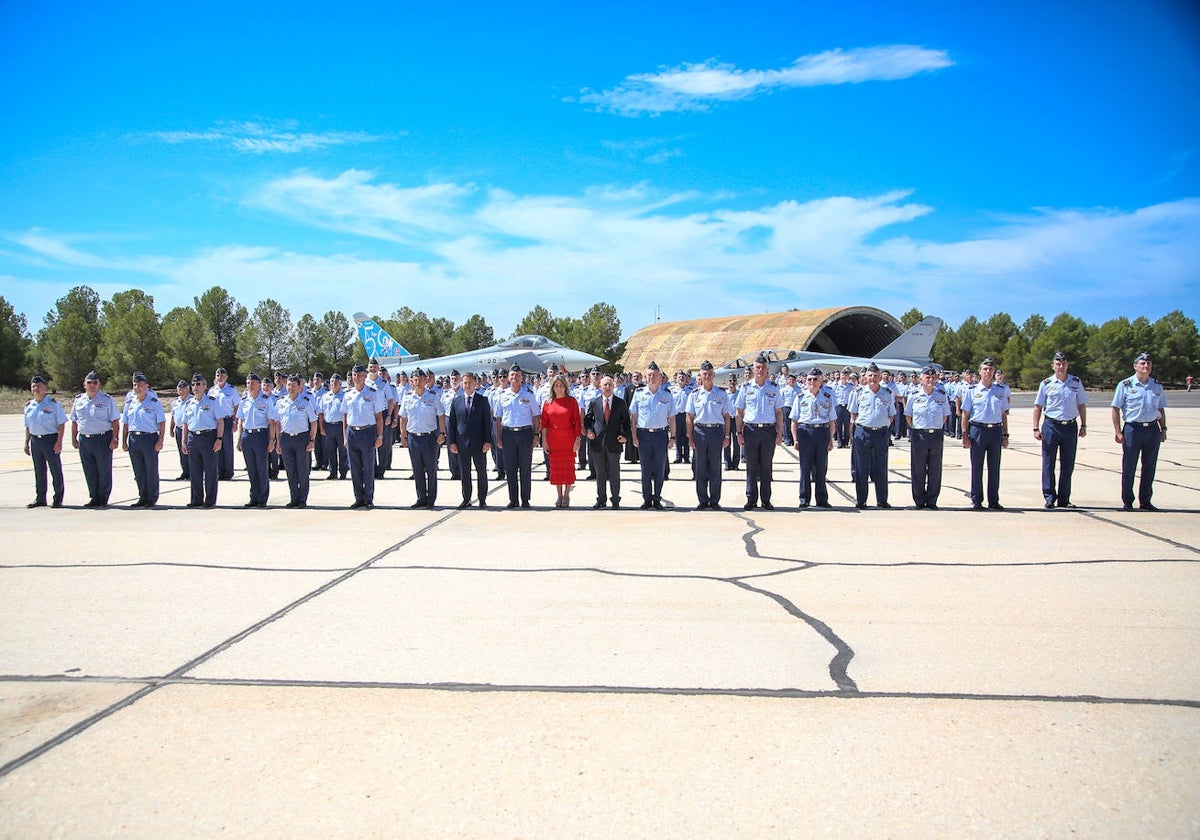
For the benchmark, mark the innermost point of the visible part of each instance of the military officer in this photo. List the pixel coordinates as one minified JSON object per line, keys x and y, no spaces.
{"x":841,"y":393}
{"x":182,"y":393}
{"x":927,"y":408}
{"x":707,"y":429}
{"x":204,"y":421}
{"x":650,"y":417}
{"x":95,"y":427}
{"x":1059,"y":420}
{"x":497,"y":390}
{"x":1139,"y":417}
{"x":985,"y":433}
{"x":364,"y":434}
{"x":518,"y":428}
{"x":680,"y":392}
{"x":814,"y":417}
{"x":871,"y":410}
{"x":230,"y":402}
{"x":45,"y":423}
{"x":274,"y":392}
{"x":447,"y":397}
{"x":318,"y":390}
{"x":331,"y":419}
{"x":258,"y":434}
{"x":788,"y":391}
{"x":145,"y":429}
{"x":297,"y":439}
{"x":423,"y":431}
{"x":760,"y":431}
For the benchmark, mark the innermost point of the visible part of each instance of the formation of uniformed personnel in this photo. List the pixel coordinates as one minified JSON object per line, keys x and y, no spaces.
{"x":650,"y":416}
{"x":95,"y":426}
{"x":1059,"y":420}
{"x":1139,"y":417}
{"x":789,"y":387}
{"x":331,"y":420}
{"x":707,"y":429}
{"x":45,"y":423}
{"x":257,"y":435}
{"x":145,"y":427}
{"x":230,"y":402}
{"x":814,"y":416}
{"x":760,"y":431}
{"x":871,"y":410}
{"x":985,"y":432}
{"x":204,"y":420}
{"x":518,"y":427}
{"x":927,"y":408}
{"x":183,"y":392}
{"x":297,"y":414}
{"x":423,"y":431}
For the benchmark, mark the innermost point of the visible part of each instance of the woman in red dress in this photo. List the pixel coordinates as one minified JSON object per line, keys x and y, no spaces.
{"x":561,"y":430}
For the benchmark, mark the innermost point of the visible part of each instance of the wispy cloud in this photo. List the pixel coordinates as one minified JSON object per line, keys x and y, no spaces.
{"x":697,"y":86}
{"x":261,"y":138}
{"x":652,"y":150}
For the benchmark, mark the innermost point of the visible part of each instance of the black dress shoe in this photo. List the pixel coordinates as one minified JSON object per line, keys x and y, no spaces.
{"x":1147,"y":506}
{"x":250,"y":505}
{"x":511,"y":505}
{"x":35,"y":504}
{"x":701,"y":506}
{"x":292,"y":505}
{"x":1123,"y":507}
{"x":331,"y":477}
{"x":884,"y":506}
{"x":526,"y":505}
{"x":645,"y":506}
{"x":616,"y":504}
{"x":824,"y":505}
{"x":658,"y":505}
{"x":714,"y":505}
{"x":194,"y":504}
{"x":465,"y":503}
{"x":208,"y":507}
{"x":748,"y":506}
{"x":995,"y":506}
{"x":1066,"y":505}
{"x":368,"y":506}
{"x":418,"y":504}
{"x":599,"y":506}
{"x":1050,"y":504}
{"x":768,"y":506}
{"x":860,"y":505}
{"x":482,"y":503}
{"x":977,"y":506}
{"x":931,"y":506}
{"x":803,"y":505}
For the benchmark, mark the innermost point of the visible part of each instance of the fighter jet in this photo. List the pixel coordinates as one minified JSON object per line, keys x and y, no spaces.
{"x":909,"y":352}
{"x":534,"y":353}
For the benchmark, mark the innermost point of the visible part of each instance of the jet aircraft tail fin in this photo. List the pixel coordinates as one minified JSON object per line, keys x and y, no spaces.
{"x":376,"y":340}
{"x":916,"y":344}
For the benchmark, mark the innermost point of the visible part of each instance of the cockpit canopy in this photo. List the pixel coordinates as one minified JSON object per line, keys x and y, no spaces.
{"x":529,"y":342}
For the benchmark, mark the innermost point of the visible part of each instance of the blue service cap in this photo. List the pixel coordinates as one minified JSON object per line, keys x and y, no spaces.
{"x":91,"y":376}
{"x":199,"y":379}
{"x":318,"y":375}
{"x":1144,"y":357}
{"x":36,"y":380}
{"x":988,"y":362}
{"x":253,"y":377}
{"x":1060,"y":356}
{"x":706,"y":365}
{"x":928,"y":369}
{"x":360,"y":368}
{"x":138,"y":376}
{"x":516,"y":368}
{"x":815,"y":373}
{"x":182,"y":383}
{"x":653,"y":366}
{"x":872,"y":368}
{"x":295,"y":377}
{"x":761,"y":359}
{"x":336,"y":377}
{"x":221,"y":370}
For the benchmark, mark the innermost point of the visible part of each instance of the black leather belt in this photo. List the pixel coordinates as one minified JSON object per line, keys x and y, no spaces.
{"x":252,"y":431}
{"x":1143,"y":425}
{"x":139,"y":434}
{"x":295,"y":434}
{"x":758,"y":425}
{"x":421,"y":434}
{"x":360,"y":428}
{"x":202,"y":432}
{"x":814,"y":425}
{"x":986,"y":425}
{"x":659,"y":429}
{"x":1061,"y":422}
{"x":929,"y":431}
{"x":709,"y":425}
{"x":873,"y":428}
{"x":97,"y":434}
{"x":48,"y":434}
{"x":515,"y":428}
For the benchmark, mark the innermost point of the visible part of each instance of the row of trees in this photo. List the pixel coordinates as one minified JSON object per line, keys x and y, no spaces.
{"x":1100,"y":355}
{"x":123,"y":334}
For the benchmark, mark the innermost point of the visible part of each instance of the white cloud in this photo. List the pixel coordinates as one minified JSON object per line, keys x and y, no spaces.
{"x":697,"y":86}
{"x":260,"y":138}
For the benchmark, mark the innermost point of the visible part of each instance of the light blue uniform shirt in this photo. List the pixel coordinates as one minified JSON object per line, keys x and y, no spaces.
{"x":787,"y":396}
{"x":1061,"y":400}
{"x":295,"y":415}
{"x":758,"y":402}
{"x":94,"y":416}
{"x":873,"y":408}
{"x":709,"y":407}
{"x":362,"y":406}
{"x":680,"y":397}
{"x":257,"y":413}
{"x":228,"y":395}
{"x":44,"y":418}
{"x":814,"y":409}
{"x":421,"y":412}
{"x":1139,"y":403}
{"x":652,"y":409}
{"x":202,"y":413}
{"x":518,"y":409}
{"x":985,"y":405}
{"x":927,"y":411}
{"x":333,"y":407}
{"x":144,"y":416}
{"x":177,"y":407}
{"x":842,"y":392}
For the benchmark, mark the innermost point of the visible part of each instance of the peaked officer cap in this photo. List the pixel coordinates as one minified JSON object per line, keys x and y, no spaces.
{"x":872,"y":368}
{"x":336,"y":376}
{"x":928,"y":369}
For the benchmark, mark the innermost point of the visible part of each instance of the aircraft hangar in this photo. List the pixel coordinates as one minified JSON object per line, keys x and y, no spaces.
{"x":846,"y":330}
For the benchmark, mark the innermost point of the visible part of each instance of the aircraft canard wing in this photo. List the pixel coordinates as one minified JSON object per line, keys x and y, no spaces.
{"x":529,"y":362}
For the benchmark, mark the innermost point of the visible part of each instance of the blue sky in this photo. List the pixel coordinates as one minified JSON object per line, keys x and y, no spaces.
{"x":701,"y":158}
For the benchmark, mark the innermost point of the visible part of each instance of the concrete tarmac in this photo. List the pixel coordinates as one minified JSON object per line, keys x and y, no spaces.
{"x":330,"y":672}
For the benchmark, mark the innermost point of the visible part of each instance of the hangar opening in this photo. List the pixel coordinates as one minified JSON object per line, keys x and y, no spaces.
{"x":850,"y":330}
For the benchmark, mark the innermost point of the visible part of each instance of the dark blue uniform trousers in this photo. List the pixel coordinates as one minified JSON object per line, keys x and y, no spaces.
{"x":184,"y":466}
{"x":144,"y":460}
{"x":466,"y":458}
{"x":652,"y":454}
{"x":706,"y":461}
{"x":985,"y":446}
{"x":1141,"y":442}
{"x":360,"y":447}
{"x":842,"y":428}
{"x":870,"y":453}
{"x":202,"y":466}
{"x":423,"y":452}
{"x":96,"y":459}
{"x":296,"y":466}
{"x":226,"y":453}
{"x":683,"y":449}
{"x":518,"y":463}
{"x":812,"y":442}
{"x":254,"y":453}
{"x":1058,"y":440}
{"x":760,"y":462}
{"x":925,"y":462}
{"x":41,"y":449}
{"x":335,"y":449}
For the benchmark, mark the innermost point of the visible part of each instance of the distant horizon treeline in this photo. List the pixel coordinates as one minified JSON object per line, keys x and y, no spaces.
{"x":125,"y":333}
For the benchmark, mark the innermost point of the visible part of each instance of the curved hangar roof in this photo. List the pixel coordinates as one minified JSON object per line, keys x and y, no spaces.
{"x":847,"y":330}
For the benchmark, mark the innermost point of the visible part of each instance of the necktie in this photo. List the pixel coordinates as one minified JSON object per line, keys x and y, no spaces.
{"x":607,"y":409}
{"x":469,"y":405}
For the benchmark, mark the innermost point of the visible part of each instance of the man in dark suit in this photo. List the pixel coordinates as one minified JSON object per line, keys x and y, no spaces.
{"x":606,"y":425}
{"x":469,"y":430}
